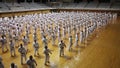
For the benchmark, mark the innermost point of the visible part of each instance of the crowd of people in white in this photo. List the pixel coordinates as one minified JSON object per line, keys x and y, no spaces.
{"x":52,"y":26}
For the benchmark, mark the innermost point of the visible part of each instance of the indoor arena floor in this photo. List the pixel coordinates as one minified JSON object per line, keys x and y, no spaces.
{"x":101,"y":51}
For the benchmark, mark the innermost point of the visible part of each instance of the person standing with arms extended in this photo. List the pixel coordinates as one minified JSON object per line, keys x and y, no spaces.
{"x":61,"y":46}
{"x":31,"y":62}
{"x":47,"y":57}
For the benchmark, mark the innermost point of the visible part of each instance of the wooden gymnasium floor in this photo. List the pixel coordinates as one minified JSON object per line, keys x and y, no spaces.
{"x":102,"y":51}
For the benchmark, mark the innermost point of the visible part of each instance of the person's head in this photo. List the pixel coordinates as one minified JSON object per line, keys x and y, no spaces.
{"x":35,"y":41}
{"x":24,"y":36}
{"x":70,"y":36}
{"x":30,"y":57}
{"x":2,"y":36}
{"x":46,"y":47}
{"x":44,"y":36}
{"x":61,"y":41}
{"x":21,"y":45}
{"x":10,"y":40}
{"x":12,"y":65}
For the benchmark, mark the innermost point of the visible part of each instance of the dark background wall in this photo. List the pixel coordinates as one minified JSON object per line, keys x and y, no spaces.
{"x":0,"y":0}
{"x":77,"y":1}
{"x":36,"y":0}
{"x":72,"y":1}
{"x":53,"y":0}
{"x":117,"y":0}
{"x":104,"y":0}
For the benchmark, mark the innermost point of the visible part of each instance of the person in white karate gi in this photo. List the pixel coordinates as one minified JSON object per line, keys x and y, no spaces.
{"x":36,"y":48}
{"x":12,"y":48}
{"x":22,"y":52}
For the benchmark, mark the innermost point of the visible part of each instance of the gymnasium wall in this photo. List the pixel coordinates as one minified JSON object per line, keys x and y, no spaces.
{"x":89,"y":10}
{"x":117,"y":0}
{"x":67,"y":0}
{"x":9,"y":14}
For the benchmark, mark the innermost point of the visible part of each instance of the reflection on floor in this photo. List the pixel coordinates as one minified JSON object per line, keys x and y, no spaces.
{"x":101,"y":51}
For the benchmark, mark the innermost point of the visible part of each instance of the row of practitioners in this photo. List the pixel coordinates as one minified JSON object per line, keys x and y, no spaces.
{"x":55,"y":24}
{"x":44,"y":27}
{"x":31,"y":62}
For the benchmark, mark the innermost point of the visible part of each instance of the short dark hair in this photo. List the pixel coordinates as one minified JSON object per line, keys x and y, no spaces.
{"x":12,"y":65}
{"x":46,"y":47}
{"x":31,"y":57}
{"x":21,"y":45}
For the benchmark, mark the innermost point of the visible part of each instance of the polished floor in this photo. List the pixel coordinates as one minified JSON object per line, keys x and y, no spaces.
{"x":101,"y":51}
